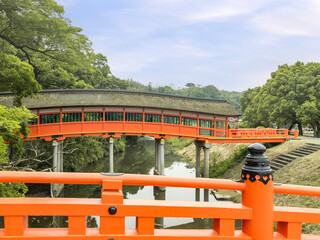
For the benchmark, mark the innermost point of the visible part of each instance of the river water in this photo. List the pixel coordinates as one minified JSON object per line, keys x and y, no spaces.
{"x":138,"y":159}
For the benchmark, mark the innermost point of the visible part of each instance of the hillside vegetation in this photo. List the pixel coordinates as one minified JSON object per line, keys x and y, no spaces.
{"x":191,"y":90}
{"x":303,"y":171}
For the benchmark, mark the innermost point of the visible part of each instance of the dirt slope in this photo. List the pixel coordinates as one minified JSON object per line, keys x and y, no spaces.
{"x":223,"y":150}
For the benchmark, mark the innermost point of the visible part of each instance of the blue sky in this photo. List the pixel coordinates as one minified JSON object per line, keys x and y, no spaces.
{"x":231,"y":44}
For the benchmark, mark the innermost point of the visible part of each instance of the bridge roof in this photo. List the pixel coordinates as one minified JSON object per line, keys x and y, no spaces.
{"x":107,"y":97}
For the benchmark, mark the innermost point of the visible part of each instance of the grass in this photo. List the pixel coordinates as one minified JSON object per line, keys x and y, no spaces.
{"x":303,"y":171}
{"x":218,"y":168}
{"x":179,"y":143}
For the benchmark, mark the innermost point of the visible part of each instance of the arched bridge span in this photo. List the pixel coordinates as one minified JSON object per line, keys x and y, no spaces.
{"x":112,"y":113}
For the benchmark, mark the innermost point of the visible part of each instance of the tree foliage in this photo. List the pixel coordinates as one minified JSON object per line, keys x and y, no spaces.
{"x":13,"y":124}
{"x":290,"y":96}
{"x":191,"y":90}
{"x":17,"y":76}
{"x":13,"y":190}
{"x":40,"y":48}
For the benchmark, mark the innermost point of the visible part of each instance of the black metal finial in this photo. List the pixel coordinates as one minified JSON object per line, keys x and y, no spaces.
{"x":257,"y":165}
{"x":256,"y":148}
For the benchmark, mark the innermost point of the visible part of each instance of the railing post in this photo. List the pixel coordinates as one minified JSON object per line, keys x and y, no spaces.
{"x":290,"y":230}
{"x":296,"y":133}
{"x":258,"y":195}
{"x":15,"y":225}
{"x":286,"y":132}
{"x":111,"y":194}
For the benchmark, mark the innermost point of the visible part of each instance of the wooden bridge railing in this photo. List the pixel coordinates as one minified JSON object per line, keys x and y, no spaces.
{"x":62,"y":122}
{"x":266,"y":132}
{"x":256,"y":210}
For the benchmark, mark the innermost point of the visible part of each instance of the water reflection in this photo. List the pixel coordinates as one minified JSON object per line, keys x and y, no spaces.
{"x":139,"y":159}
{"x":159,"y":195}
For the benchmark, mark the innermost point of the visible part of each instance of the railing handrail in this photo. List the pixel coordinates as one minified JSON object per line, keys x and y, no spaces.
{"x":127,"y":179}
{"x":146,"y":180}
{"x":297,"y":190}
{"x":254,"y":209}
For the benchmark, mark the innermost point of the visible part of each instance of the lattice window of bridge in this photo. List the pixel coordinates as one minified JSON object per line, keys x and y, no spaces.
{"x":205,"y":124}
{"x":152,"y":118}
{"x":49,"y":118}
{"x":72,"y":117}
{"x":33,"y":121}
{"x":134,"y":117}
{"x":93,"y":116}
{"x":114,"y":116}
{"x":221,"y":124}
{"x":189,"y":121}
{"x":171,"y":119}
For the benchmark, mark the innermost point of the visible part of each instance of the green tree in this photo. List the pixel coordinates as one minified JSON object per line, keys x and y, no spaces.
{"x":247,"y":97}
{"x":112,"y":82}
{"x":289,"y":97}
{"x":18,"y":77}
{"x":189,"y":85}
{"x":44,"y":41}
{"x":166,"y":90}
{"x":192,"y":90}
{"x":13,"y":124}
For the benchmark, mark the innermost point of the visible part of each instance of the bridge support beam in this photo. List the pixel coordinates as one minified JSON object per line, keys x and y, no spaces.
{"x":156,"y":156}
{"x":159,"y":157}
{"x":198,"y":152}
{"x":56,"y":189}
{"x":206,"y":150}
{"x":111,"y":155}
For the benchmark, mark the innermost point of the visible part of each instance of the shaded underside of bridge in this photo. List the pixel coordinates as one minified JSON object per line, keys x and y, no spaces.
{"x":112,"y":113}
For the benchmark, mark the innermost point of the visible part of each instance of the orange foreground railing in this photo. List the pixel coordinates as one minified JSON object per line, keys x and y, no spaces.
{"x":112,"y":209}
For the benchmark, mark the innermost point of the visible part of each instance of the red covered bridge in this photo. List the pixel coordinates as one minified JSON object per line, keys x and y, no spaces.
{"x":112,"y":113}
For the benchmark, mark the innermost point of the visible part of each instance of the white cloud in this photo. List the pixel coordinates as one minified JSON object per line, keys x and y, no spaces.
{"x":148,"y":16}
{"x":214,"y":11}
{"x":203,"y":10}
{"x":152,"y":54}
{"x":293,"y":18}
{"x":183,"y":51}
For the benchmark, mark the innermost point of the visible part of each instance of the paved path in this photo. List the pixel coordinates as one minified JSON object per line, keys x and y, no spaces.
{"x":309,"y":138}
